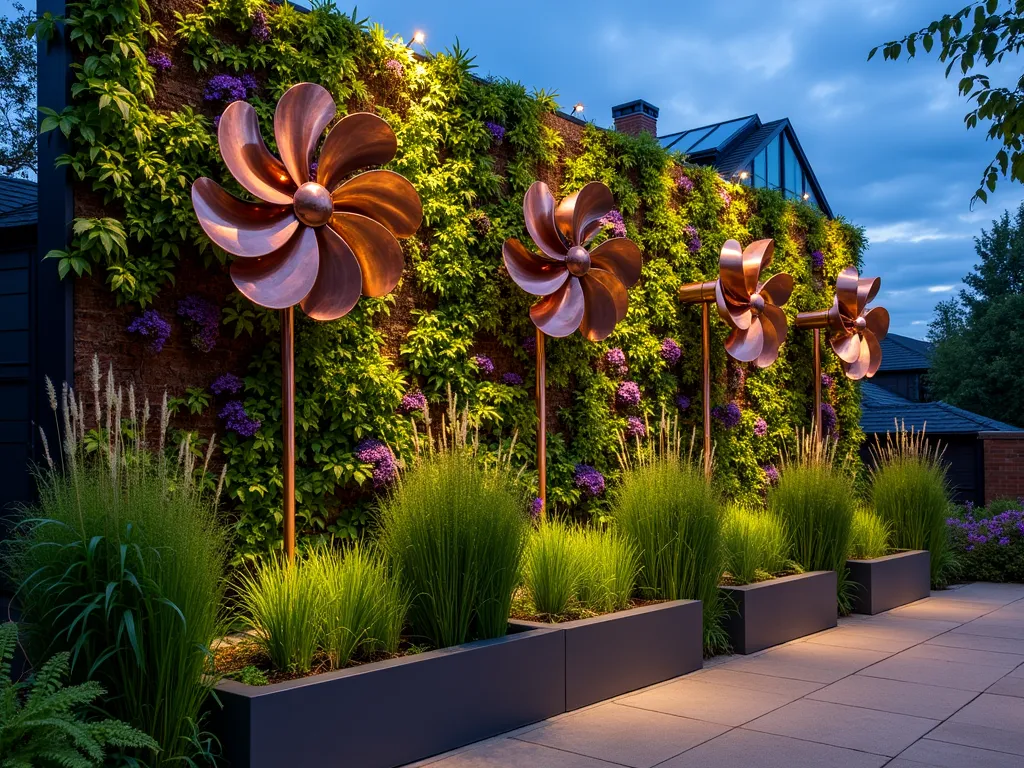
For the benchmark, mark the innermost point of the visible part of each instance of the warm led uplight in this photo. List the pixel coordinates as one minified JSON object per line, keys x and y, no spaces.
{"x":806,"y":196}
{"x":578,"y":108}
{"x":744,"y":175}
{"x":419,"y":37}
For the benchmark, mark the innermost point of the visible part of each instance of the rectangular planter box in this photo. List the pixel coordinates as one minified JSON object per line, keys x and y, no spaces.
{"x":610,"y":655}
{"x":889,"y":582}
{"x":772,"y":612}
{"x":393,"y":712}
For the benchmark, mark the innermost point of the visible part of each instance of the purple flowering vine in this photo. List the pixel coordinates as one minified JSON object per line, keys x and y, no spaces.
{"x":771,"y":474}
{"x":529,"y":345}
{"x":497,"y":130}
{"x":588,"y":480}
{"x":827,"y":381}
{"x":412,"y":402}
{"x":202,"y":318}
{"x":614,"y":220}
{"x":394,"y":67}
{"x":817,"y":259}
{"x":535,"y":507}
{"x":670,"y":351}
{"x":682,"y":402}
{"x":725,"y":197}
{"x":692,"y":238}
{"x":484,"y":364}
{"x":512,"y":379}
{"x":237,"y":420}
{"x":829,"y":422}
{"x":260,"y":31}
{"x":635,"y":427}
{"x":229,"y":88}
{"x":615,"y":358}
{"x":728,"y":416}
{"x":151,"y":326}
{"x":226,"y":384}
{"x":760,"y":427}
{"x":628,"y":394}
{"x":375,"y":452}
{"x":159,"y":60}
{"x":685,"y":184}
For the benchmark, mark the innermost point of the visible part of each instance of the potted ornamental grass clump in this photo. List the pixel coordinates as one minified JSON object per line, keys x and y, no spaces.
{"x":809,"y":516}
{"x":407,"y":638}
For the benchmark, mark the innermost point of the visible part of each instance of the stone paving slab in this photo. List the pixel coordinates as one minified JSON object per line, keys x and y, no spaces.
{"x":937,"y":683}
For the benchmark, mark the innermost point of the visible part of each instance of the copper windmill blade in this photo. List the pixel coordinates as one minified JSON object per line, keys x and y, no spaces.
{"x":857,"y":334}
{"x":539,"y":216}
{"x":752,"y":308}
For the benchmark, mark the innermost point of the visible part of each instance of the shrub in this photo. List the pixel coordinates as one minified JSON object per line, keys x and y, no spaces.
{"x":121,"y":562}
{"x":755,"y":544}
{"x":610,"y":564}
{"x":43,"y":724}
{"x":869,"y":537}
{"x":815,"y":500}
{"x":987,"y":546}
{"x":909,"y":492}
{"x":553,"y":567}
{"x":668,"y":511}
{"x":455,"y":532}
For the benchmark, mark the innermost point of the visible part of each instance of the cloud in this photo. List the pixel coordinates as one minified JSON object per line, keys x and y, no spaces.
{"x":940,"y":288}
{"x":910,"y":232}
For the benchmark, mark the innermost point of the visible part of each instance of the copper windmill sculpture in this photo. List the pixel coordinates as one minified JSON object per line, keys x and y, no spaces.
{"x":580,"y":289}
{"x":750,"y":307}
{"x":854,"y":334}
{"x":314,"y":239}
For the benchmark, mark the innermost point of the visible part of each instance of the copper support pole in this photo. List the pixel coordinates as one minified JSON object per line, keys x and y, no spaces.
{"x":816,"y":419}
{"x":705,"y":350}
{"x":288,"y":428}
{"x":542,"y":426}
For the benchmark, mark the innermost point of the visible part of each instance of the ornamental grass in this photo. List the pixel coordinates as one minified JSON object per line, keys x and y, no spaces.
{"x":909,"y":491}
{"x":755,"y":544}
{"x":121,"y":562}
{"x":870,"y":536}
{"x":815,"y":500}
{"x":667,"y":509}
{"x":455,"y":532}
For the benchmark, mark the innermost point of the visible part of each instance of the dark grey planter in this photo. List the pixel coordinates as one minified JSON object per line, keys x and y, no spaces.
{"x":889,"y":582}
{"x":616,"y":653}
{"x":393,"y":712}
{"x":772,"y":612}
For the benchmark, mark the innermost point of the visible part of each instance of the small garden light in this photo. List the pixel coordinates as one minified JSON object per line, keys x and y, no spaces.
{"x":419,"y":37}
{"x":578,"y":108}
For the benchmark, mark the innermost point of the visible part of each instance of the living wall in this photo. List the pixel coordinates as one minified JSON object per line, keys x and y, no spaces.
{"x":150,"y":83}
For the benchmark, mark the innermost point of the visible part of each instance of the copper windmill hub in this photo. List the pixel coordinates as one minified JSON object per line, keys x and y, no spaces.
{"x":313,"y":204}
{"x":861,"y":323}
{"x":756,"y":303}
{"x":577,"y":261}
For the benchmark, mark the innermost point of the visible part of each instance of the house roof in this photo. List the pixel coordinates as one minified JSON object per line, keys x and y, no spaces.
{"x":881,"y":410}
{"x":731,"y":145}
{"x":18,"y":205}
{"x":902,"y":353}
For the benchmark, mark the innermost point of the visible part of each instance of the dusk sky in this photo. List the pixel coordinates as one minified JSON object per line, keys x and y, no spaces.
{"x":886,"y":140}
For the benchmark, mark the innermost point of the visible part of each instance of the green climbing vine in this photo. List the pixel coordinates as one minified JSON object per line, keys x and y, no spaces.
{"x":471,"y":147}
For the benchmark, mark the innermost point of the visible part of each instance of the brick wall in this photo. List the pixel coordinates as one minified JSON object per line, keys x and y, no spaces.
{"x":636,"y":124}
{"x":1004,"y":465}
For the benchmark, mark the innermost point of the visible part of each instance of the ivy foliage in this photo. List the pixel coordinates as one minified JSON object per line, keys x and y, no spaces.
{"x":456,"y":301}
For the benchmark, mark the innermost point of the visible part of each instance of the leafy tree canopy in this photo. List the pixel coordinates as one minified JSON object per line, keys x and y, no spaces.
{"x":972,"y":39}
{"x":979,"y":334}
{"x":17,"y":94}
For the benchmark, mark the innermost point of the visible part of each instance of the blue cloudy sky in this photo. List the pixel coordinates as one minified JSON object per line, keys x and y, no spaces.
{"x":886,"y":139}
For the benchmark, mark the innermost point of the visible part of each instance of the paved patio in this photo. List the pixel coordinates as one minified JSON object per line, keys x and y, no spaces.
{"x":936,"y":683}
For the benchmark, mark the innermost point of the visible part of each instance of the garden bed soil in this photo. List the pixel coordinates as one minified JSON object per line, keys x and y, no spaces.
{"x":388,"y":713}
{"x":612,"y":654}
{"x":888,"y":582}
{"x":772,"y":612}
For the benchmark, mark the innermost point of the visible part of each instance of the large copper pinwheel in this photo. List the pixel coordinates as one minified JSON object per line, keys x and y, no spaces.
{"x":752,"y":308}
{"x":317,"y":239}
{"x":580,"y":289}
{"x":855,"y":335}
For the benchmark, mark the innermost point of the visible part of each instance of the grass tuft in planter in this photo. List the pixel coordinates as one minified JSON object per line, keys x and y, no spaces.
{"x":552,"y":568}
{"x":870,"y":536}
{"x":910,"y":492}
{"x":455,"y":532}
{"x":755,"y":543}
{"x":815,"y":499}
{"x":610,"y":567}
{"x":666,"y":508}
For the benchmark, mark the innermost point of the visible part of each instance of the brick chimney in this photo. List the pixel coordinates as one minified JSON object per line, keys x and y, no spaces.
{"x":635,"y":117}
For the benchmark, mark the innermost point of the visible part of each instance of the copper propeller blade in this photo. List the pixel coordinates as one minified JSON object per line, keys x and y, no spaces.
{"x":847,"y":284}
{"x":241,"y":228}
{"x":877,"y":320}
{"x":339,"y":281}
{"x":580,"y":290}
{"x":384,"y":196}
{"x":856,"y":334}
{"x":746,"y":344}
{"x":247,"y":157}
{"x":357,"y":141}
{"x":302,"y":114}
{"x":375,"y":249}
{"x":775,"y":326}
{"x":283,"y":278}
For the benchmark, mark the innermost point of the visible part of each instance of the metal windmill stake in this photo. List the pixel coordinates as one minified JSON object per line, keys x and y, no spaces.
{"x":580,"y":289}
{"x":856,"y":334}
{"x":315,"y":239}
{"x":750,"y":307}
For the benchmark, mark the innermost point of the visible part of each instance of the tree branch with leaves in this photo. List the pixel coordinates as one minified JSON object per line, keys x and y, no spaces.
{"x":17,"y":94}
